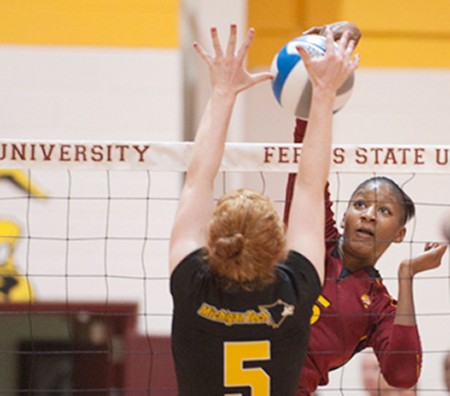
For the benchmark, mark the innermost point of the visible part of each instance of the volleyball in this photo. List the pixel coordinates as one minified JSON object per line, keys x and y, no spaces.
{"x":291,"y":85}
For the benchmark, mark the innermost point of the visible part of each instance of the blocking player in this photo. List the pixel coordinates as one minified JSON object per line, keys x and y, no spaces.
{"x":243,"y":287}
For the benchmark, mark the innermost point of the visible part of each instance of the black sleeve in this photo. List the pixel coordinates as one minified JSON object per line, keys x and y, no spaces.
{"x":186,"y":274}
{"x":306,"y":278}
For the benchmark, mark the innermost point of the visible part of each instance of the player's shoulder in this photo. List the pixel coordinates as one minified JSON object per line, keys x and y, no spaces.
{"x":301,"y":269}
{"x":298,"y":262}
{"x":192,"y":267}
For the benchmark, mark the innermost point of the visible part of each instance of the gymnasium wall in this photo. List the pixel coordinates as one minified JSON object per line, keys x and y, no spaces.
{"x":103,"y":69}
{"x":85,"y":70}
{"x":396,"y":34}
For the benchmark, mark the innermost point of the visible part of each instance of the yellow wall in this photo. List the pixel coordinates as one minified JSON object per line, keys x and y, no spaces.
{"x":395,"y":33}
{"x":400,"y":33}
{"x":127,"y":23}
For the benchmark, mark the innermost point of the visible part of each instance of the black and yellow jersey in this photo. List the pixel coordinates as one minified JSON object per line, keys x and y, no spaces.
{"x":240,"y":342}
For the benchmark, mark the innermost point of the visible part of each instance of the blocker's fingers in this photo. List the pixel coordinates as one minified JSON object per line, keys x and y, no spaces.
{"x":355,"y":62}
{"x":246,"y":45}
{"x":344,"y":41}
{"x":231,"y":48}
{"x":216,"y":42}
{"x":203,"y":54}
{"x":329,"y":46}
{"x":349,"y":50}
{"x":304,"y":54}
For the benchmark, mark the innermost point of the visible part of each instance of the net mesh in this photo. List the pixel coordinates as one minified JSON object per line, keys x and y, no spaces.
{"x":84,"y":233}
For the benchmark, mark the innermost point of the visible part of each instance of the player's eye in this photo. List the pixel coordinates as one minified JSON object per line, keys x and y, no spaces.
{"x":359,"y":203}
{"x":384,"y":210}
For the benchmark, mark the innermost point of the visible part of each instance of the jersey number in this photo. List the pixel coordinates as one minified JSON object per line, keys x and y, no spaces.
{"x":235,"y":354}
{"x":316,"y":311}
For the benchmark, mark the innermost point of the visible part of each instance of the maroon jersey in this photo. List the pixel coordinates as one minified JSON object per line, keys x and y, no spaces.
{"x":353,"y":312}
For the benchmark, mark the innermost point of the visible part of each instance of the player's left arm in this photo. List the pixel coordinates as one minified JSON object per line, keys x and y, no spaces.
{"x":398,"y":347}
{"x":396,"y":339}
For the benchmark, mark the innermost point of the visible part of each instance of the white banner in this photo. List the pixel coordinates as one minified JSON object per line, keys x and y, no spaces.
{"x":245,"y":157}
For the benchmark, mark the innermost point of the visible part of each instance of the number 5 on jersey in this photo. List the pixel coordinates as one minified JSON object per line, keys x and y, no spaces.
{"x":235,"y":375}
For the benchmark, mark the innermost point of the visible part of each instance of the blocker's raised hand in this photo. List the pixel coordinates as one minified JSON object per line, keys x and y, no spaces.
{"x":227,"y":69}
{"x":335,"y":67}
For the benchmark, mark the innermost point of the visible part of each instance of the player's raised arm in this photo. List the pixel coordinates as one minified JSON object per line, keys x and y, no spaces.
{"x":228,"y":77}
{"x":306,"y":219}
{"x":337,"y":30}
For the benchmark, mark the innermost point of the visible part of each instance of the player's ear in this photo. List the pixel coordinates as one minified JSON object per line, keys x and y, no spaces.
{"x":401,"y":233}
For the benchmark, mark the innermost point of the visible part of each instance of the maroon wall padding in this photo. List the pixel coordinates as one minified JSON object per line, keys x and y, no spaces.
{"x":134,"y":364}
{"x":148,"y":366}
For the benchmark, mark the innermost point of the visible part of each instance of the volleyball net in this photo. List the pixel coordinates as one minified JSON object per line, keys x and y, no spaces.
{"x":84,"y":234}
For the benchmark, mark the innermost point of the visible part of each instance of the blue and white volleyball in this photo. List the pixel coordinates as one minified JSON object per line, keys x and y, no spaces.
{"x":291,"y":85}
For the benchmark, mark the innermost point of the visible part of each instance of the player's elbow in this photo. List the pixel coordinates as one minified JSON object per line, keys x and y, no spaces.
{"x":404,"y":377}
{"x":403,"y":383}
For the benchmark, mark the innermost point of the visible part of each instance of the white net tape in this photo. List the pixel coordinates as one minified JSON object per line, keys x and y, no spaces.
{"x":240,"y":157}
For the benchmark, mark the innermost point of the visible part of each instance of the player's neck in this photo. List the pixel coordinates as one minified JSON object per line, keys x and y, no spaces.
{"x":351,"y":261}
